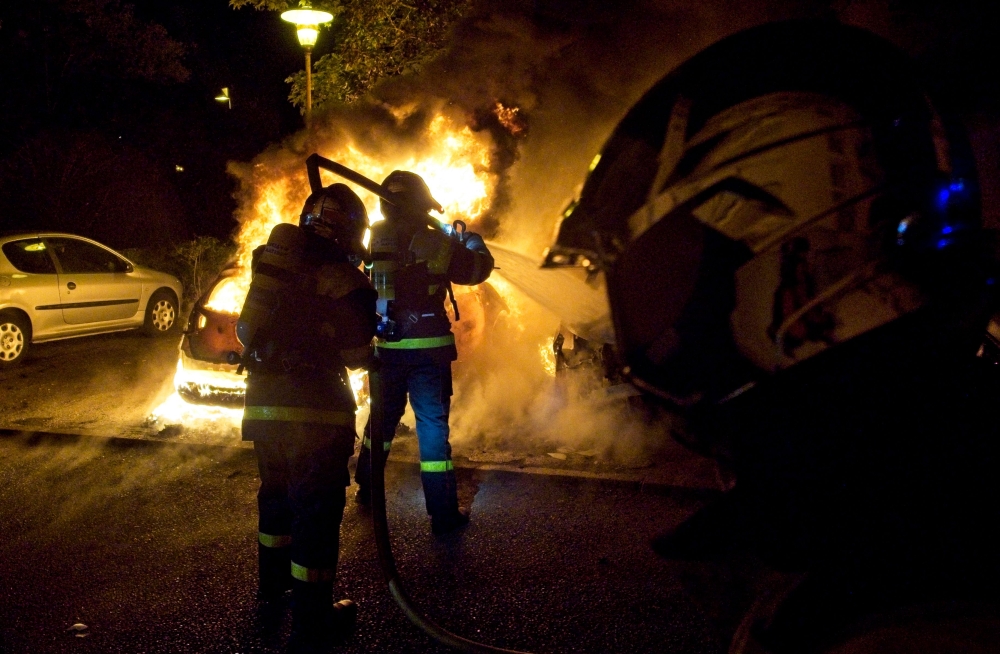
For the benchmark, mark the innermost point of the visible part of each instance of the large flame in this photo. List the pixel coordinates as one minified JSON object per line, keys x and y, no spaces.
{"x":456,"y":168}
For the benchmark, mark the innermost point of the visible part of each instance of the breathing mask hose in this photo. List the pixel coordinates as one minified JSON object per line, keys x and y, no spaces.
{"x":381,"y":528}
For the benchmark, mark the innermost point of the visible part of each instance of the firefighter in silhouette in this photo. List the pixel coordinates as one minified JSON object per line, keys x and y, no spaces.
{"x":790,"y":232}
{"x":413,"y":267}
{"x":309,"y":315}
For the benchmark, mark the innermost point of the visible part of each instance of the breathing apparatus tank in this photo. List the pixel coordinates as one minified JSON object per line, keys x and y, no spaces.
{"x":279,"y":269}
{"x":385,"y":264}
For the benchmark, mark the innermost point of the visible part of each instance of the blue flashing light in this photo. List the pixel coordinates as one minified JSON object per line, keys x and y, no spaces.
{"x":990,"y":281}
{"x":957,"y":186}
{"x":942,"y":198}
{"x":947,"y":229}
{"x":943,"y":243}
{"x":904,"y":224}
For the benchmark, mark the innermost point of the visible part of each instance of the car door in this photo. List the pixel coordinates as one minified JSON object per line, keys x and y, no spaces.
{"x":95,"y":284}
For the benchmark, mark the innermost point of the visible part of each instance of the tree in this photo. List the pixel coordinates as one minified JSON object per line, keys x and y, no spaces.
{"x":372,"y":40}
{"x":71,"y":62}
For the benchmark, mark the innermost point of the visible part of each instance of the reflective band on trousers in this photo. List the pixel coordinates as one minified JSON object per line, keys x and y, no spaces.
{"x":270,"y":540}
{"x":385,"y":444}
{"x":298,"y":414}
{"x":436,"y":466}
{"x":417,"y":343}
{"x":314,"y":575}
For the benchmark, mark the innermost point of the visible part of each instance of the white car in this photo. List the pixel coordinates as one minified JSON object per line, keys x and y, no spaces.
{"x":55,"y":286}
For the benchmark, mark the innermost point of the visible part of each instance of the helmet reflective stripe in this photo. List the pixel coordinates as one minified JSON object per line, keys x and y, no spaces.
{"x":436,"y":466}
{"x":270,"y":540}
{"x":756,"y":145}
{"x":312,"y":575}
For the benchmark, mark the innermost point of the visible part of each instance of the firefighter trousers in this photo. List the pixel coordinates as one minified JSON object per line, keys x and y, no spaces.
{"x":303,"y":476}
{"x":428,"y":386}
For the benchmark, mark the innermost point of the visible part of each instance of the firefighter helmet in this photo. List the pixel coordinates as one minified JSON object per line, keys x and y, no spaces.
{"x":786,"y":190}
{"x":336,"y":213}
{"x":408,"y":191}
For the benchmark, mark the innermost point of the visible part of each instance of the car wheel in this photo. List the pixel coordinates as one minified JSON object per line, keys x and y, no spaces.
{"x":15,"y":338}
{"x":161,"y":314}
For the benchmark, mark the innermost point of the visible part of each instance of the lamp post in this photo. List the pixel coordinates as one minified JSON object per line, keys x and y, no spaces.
{"x":307,"y":21}
{"x":224,"y":97}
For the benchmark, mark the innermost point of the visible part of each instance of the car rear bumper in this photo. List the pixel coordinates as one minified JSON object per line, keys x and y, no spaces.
{"x":200,"y":382}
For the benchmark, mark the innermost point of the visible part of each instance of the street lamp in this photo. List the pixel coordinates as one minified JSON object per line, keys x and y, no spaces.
{"x":307,"y":21}
{"x":224,"y":97}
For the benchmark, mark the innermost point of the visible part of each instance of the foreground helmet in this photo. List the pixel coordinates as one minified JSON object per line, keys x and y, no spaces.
{"x":336,"y":213}
{"x":785,"y":191}
{"x":408,"y":191}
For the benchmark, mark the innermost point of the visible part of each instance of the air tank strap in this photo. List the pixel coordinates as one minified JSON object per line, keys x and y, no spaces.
{"x":454,"y":304}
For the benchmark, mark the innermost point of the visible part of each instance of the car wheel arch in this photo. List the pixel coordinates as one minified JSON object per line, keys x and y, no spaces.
{"x":13,"y":349}
{"x":22,"y":314}
{"x":160,"y":292}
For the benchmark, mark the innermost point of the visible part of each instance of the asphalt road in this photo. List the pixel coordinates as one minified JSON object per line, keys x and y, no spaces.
{"x":121,"y":385}
{"x":151,"y":546}
{"x":102,"y":385}
{"x":144,"y":531}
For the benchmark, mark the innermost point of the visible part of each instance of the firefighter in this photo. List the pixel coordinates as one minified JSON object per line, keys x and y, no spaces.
{"x":309,"y":315}
{"x":413,"y":268}
{"x":789,"y":227}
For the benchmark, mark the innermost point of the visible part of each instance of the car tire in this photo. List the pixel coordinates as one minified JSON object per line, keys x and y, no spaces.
{"x":161,"y":314}
{"x":15,"y":338}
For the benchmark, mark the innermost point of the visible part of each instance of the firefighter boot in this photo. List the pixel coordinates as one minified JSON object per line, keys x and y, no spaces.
{"x":444,"y":524}
{"x":274,"y":566}
{"x":317,"y":622}
{"x":440,"y":491}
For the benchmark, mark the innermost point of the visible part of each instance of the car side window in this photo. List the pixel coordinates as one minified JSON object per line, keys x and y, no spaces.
{"x":29,"y":256}
{"x":81,"y":257}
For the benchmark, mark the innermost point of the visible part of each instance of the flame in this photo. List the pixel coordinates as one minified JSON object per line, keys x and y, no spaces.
{"x":510,"y":118}
{"x":455,"y":163}
{"x":455,"y":167}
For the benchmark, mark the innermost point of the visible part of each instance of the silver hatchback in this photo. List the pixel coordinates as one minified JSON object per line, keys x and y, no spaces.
{"x":55,"y":286}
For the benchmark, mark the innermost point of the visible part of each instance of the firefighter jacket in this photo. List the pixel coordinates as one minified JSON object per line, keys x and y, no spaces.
{"x":429,"y":261}
{"x":298,"y":372}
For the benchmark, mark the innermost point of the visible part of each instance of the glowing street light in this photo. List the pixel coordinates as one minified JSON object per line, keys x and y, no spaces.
{"x":224,"y":97}
{"x":307,"y":21}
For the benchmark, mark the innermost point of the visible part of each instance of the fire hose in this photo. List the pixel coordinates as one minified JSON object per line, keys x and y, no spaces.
{"x":378,"y":454}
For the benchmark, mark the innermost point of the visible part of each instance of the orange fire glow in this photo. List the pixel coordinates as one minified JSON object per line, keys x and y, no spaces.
{"x":455,"y":165}
{"x":509,"y":117}
{"x":456,"y":169}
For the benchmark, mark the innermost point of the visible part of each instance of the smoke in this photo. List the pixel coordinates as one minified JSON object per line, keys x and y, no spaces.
{"x":571,"y":69}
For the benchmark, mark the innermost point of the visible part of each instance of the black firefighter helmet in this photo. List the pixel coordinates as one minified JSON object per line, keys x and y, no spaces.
{"x":336,"y":214}
{"x":783,"y":194}
{"x":409,"y":193}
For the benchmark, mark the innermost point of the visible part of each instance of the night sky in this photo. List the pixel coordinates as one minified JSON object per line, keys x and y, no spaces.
{"x":88,"y":149}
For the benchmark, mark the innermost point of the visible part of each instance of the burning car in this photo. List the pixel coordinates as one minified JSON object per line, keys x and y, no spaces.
{"x":206,"y":376}
{"x":204,"y":372}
